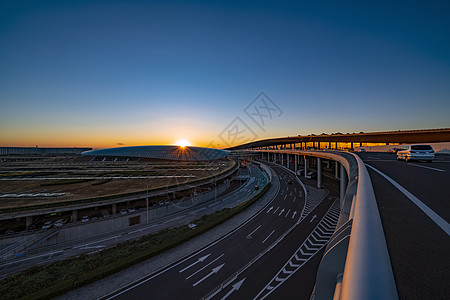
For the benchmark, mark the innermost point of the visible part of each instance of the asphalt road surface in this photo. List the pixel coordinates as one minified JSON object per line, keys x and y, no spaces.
{"x":265,"y":258}
{"x":414,"y":205}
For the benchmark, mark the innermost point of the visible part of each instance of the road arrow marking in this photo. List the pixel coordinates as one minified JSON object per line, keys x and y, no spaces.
{"x":201,"y":259}
{"x":213,"y":271}
{"x":269,"y":209}
{"x":204,"y":267}
{"x":281,"y":212}
{"x":235,"y":287}
{"x":293,"y":214}
{"x":313,"y":217}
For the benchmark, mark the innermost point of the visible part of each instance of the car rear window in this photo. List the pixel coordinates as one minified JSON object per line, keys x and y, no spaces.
{"x":421,"y":147}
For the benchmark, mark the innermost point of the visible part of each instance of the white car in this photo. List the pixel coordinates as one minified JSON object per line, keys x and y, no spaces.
{"x":192,"y":226}
{"x":85,"y":219}
{"x":47,"y":225}
{"x":416,"y":152}
{"x":123,"y":211}
{"x":58,"y":223}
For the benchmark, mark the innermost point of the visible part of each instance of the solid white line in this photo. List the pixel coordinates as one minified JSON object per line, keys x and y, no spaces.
{"x":254,"y":230}
{"x":203,"y":267}
{"x":95,"y":242}
{"x":196,"y":211}
{"x":434,"y":169}
{"x":33,"y":257}
{"x":428,"y":211}
{"x":276,"y":210}
{"x":268,"y":236}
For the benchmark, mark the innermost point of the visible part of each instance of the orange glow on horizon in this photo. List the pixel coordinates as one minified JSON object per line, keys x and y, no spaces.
{"x":183,"y":143}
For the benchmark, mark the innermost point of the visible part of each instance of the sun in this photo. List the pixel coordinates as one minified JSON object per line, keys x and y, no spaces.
{"x":182,"y":143}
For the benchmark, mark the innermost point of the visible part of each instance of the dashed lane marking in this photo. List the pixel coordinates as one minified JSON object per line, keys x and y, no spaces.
{"x":268,"y":236}
{"x":430,"y":168}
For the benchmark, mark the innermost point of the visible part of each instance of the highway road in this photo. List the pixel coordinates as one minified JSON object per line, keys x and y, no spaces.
{"x":44,"y":255}
{"x":266,"y":257}
{"x":414,"y":204}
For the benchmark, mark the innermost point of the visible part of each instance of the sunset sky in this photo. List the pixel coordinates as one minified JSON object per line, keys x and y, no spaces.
{"x":111,"y":73}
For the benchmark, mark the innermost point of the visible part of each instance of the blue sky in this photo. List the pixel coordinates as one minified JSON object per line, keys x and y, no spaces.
{"x":102,"y":73}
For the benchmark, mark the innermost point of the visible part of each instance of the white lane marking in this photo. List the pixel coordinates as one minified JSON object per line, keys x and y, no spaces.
{"x":293,"y":214}
{"x":428,"y":211}
{"x":199,"y":260}
{"x":196,"y":211}
{"x":95,"y":242}
{"x":269,"y":209}
{"x":276,"y":210}
{"x":287,"y":213}
{"x":213,"y":271}
{"x":281,"y":211}
{"x":285,"y":197}
{"x":268,"y":236}
{"x":295,"y":198}
{"x":250,"y":235}
{"x":33,"y":257}
{"x":434,"y":169}
{"x":203,"y":267}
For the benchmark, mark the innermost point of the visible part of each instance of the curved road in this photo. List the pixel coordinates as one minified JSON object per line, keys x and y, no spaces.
{"x":263,"y":258}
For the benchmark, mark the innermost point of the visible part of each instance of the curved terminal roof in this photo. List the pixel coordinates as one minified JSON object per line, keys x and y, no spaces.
{"x":187,"y":153}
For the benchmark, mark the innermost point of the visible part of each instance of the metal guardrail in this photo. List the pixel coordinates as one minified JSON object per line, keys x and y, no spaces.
{"x":368,"y":273}
{"x":356,"y":263}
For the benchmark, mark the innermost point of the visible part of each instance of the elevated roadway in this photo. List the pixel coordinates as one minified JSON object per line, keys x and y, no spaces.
{"x":414,"y":205}
{"x":43,"y":255}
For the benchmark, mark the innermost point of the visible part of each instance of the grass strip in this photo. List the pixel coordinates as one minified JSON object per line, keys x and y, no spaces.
{"x":47,"y":281}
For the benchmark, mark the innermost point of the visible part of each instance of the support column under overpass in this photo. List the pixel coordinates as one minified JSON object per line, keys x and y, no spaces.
{"x":296,"y":163}
{"x":28,"y":221}
{"x":287,"y":160}
{"x":282,"y":160}
{"x":343,"y":184}
{"x":336,"y":170}
{"x":319,"y":173}
{"x":74,"y":217}
{"x":306,"y":165}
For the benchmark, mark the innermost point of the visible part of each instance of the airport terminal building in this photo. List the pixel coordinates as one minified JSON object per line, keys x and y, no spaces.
{"x":175,"y":153}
